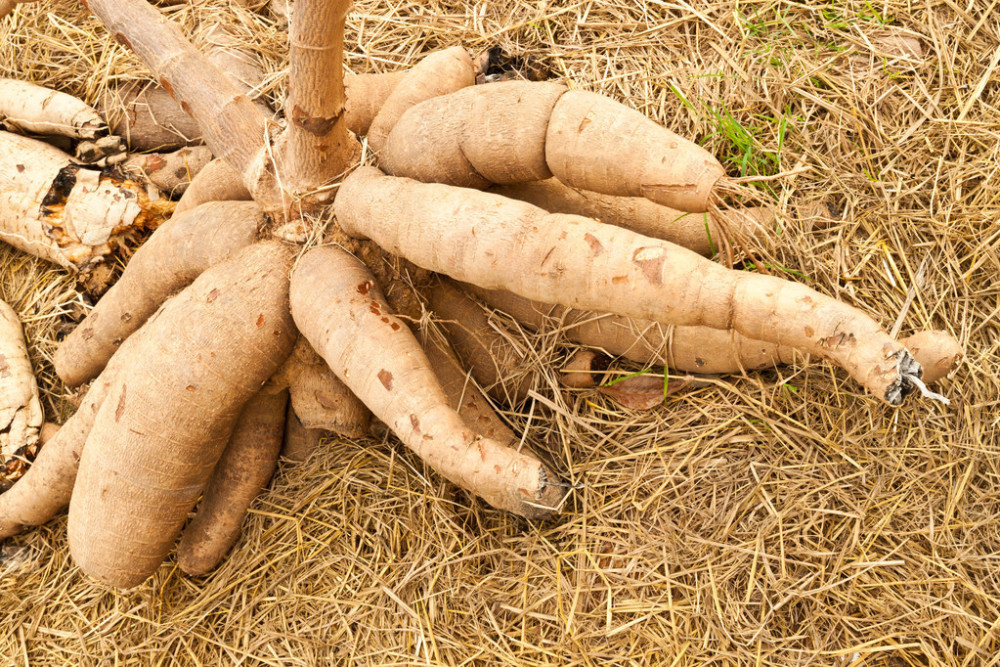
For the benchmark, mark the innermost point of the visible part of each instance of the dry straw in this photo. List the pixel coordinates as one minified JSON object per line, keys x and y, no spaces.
{"x":782,"y":518}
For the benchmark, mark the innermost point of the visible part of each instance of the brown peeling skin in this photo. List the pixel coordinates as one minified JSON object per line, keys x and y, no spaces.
{"x":149,"y":118}
{"x":317,"y":126}
{"x":300,"y":442}
{"x":490,"y":357}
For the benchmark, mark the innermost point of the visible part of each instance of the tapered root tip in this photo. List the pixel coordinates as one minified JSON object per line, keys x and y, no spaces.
{"x":902,"y":387}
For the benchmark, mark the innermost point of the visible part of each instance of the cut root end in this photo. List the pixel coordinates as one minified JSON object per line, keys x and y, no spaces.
{"x":906,"y":382}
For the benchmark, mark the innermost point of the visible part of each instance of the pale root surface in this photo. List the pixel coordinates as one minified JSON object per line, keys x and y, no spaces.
{"x":375,"y":355}
{"x":493,"y":242}
{"x":587,"y":141}
{"x":40,"y":110}
{"x":20,"y":409}
{"x":176,"y":254}
{"x":165,"y":423}
{"x":58,"y":211}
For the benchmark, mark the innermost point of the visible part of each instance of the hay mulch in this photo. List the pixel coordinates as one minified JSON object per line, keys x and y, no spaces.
{"x":782,"y":518}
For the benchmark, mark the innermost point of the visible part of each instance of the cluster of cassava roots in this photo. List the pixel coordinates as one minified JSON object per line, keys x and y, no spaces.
{"x":225,"y":340}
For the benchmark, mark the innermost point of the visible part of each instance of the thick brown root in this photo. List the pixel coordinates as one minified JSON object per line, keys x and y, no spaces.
{"x":495,"y":242}
{"x":64,"y":213}
{"x":165,"y":422}
{"x":700,"y":232}
{"x":217,"y":181}
{"x":693,"y":349}
{"x":21,"y":414}
{"x":438,"y":74}
{"x":585,"y":140}
{"x":375,"y":355}
{"x":300,"y":442}
{"x":320,"y":400}
{"x":482,"y":348}
{"x":244,"y":470}
{"x":148,"y":118}
{"x":464,"y":396}
{"x":174,"y":255}
{"x":169,"y":172}
{"x":32,"y":108}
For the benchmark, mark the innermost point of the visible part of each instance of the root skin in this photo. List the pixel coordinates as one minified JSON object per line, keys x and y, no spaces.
{"x":366,"y":94}
{"x":170,"y":259}
{"x":320,"y":400}
{"x":242,"y":473}
{"x":585,"y":264}
{"x":41,"y":110}
{"x":149,"y":119}
{"x":693,"y":349}
{"x":21,"y":414}
{"x":700,"y":232}
{"x":375,"y":355}
{"x":172,"y":172}
{"x":165,"y":423}
{"x":217,"y":181}
{"x":464,"y":396}
{"x":438,"y":74}
{"x":46,"y":487}
{"x":300,"y":442}
{"x":481,"y":348}
{"x":585,"y":140}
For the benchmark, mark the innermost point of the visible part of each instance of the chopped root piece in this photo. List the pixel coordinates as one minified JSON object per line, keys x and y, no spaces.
{"x":170,"y":172}
{"x":31,"y":108}
{"x":374,"y":354}
{"x":20,"y":410}
{"x":67,"y":214}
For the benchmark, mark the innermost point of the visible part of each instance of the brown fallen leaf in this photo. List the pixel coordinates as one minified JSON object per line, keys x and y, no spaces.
{"x":643,"y":392}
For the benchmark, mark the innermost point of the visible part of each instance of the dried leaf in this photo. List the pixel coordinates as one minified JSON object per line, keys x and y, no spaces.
{"x":644,"y":392}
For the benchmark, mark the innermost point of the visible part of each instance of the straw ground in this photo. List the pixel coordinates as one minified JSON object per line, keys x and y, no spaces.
{"x":782,"y":518}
